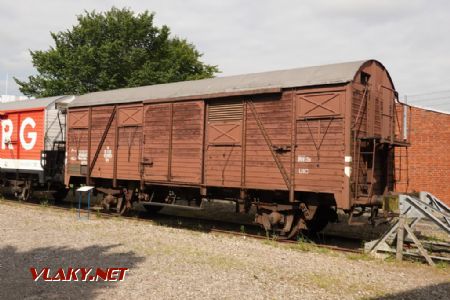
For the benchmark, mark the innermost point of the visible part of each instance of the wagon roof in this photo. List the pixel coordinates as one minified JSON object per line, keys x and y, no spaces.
{"x":32,"y":103}
{"x":225,"y":86}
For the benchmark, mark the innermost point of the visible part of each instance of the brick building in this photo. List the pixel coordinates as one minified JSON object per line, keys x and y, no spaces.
{"x":428,"y":162}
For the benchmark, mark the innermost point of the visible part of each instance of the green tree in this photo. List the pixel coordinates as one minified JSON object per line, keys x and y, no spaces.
{"x":111,"y":50}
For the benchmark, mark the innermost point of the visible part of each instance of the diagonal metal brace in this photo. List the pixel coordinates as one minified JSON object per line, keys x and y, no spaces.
{"x":102,"y":140}
{"x":429,"y":211}
{"x":270,"y":145}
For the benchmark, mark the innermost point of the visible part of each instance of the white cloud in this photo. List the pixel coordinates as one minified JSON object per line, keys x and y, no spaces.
{"x":409,"y":37}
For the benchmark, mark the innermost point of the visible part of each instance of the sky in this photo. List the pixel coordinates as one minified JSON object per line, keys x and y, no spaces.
{"x":410,"y":37}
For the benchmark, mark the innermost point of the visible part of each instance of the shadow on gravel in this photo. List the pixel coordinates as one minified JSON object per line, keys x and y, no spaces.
{"x":436,"y":291}
{"x":16,"y":281}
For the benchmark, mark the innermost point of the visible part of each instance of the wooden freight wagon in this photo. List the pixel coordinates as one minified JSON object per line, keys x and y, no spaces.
{"x":296,"y":144}
{"x":32,"y":136}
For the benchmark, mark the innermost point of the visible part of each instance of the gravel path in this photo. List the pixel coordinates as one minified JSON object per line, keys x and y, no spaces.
{"x":170,"y":263}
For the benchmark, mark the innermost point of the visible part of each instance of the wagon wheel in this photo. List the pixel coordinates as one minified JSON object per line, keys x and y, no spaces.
{"x":323,"y":215}
{"x":123,"y":206}
{"x":157,"y":196}
{"x":297,"y":226}
{"x":60,"y":194}
{"x":26,"y":192}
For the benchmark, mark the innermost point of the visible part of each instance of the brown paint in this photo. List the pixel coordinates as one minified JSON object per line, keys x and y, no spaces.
{"x":293,"y":141}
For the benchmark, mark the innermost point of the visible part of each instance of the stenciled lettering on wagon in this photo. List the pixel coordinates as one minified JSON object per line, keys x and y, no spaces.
{"x":83,"y":156}
{"x":73,"y":154}
{"x":107,"y":154}
{"x":303,"y":171}
{"x":304,"y":159}
{"x":27,"y":139}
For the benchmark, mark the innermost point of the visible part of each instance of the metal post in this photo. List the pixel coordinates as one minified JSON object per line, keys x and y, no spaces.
{"x":400,"y":235}
{"x":6,"y":84}
{"x":79,"y":205}
{"x":89,"y":203}
{"x":405,"y":119}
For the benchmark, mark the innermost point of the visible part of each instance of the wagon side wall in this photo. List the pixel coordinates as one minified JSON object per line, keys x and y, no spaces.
{"x":374,"y":115}
{"x":23,"y":148}
{"x":173,"y":142}
{"x":55,"y":127}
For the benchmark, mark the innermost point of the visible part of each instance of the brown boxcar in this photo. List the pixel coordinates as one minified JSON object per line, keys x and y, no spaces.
{"x":296,"y":144}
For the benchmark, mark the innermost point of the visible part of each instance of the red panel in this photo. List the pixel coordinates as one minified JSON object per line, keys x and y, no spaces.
{"x":22,"y":134}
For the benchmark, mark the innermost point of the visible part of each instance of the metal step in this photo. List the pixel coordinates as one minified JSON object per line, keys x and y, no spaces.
{"x":174,"y":205}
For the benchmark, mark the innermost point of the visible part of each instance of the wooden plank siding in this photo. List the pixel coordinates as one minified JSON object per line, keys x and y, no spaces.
{"x":224,"y":142}
{"x":187,"y":142}
{"x":373,"y":115}
{"x":319,"y":158}
{"x":228,"y":141}
{"x":173,"y":142}
{"x":104,"y":166}
{"x":129,"y":142}
{"x":77,"y":143}
{"x":156,"y":141}
{"x":274,"y":112}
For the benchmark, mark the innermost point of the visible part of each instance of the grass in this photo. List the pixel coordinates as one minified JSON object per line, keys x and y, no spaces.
{"x":414,"y":262}
{"x":98,"y":214}
{"x":44,"y":202}
{"x":303,"y":245}
{"x":360,"y":257}
{"x":222,"y":262}
{"x":335,"y":283}
{"x":433,"y":238}
{"x":443,"y":265}
{"x":324,"y":281}
{"x":270,"y":242}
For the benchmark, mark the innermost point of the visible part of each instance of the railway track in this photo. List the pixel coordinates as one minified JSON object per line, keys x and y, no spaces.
{"x":285,"y":241}
{"x":210,"y":226}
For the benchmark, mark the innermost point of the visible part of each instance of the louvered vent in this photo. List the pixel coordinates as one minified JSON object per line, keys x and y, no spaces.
{"x":225,"y":111}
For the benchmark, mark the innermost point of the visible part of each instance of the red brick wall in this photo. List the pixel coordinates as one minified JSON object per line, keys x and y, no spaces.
{"x":428,"y":156}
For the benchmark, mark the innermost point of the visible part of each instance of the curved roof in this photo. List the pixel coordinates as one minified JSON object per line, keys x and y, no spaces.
{"x":230,"y":85}
{"x":33,"y":103}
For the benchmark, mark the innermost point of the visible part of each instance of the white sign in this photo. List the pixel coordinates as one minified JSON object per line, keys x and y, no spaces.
{"x":107,"y":154}
{"x":7,"y":132}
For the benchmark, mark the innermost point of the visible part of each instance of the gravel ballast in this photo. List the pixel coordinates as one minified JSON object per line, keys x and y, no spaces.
{"x":172,"y":263}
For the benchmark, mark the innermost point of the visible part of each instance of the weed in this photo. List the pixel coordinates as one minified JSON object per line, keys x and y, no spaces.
{"x":433,"y":238}
{"x":270,"y":243}
{"x":44,"y":202}
{"x":242,"y":229}
{"x":443,"y":265}
{"x":360,"y":256}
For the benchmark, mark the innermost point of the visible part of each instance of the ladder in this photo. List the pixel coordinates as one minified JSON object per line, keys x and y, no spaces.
{"x":367,"y":170}
{"x":401,"y":169}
